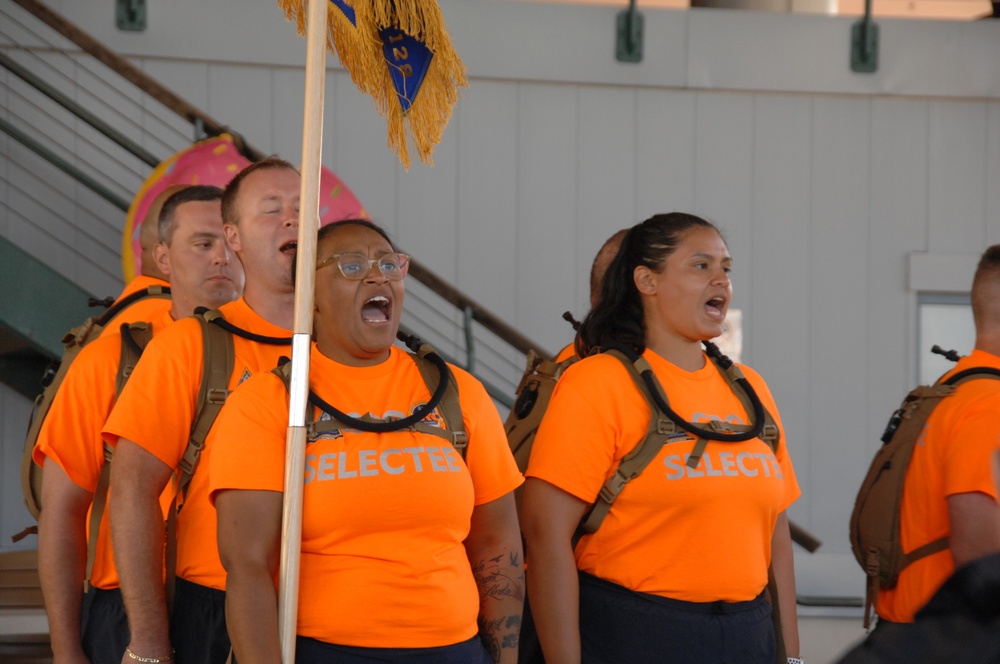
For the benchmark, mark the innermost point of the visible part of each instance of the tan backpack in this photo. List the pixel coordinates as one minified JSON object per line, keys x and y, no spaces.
{"x":73,"y":341}
{"x":875,"y":520}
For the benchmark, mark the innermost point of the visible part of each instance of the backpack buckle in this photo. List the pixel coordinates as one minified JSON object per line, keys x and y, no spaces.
{"x":769,"y":432}
{"x":872,"y":565}
{"x":720,"y":427}
{"x":613,"y":487}
{"x":217,"y":396}
{"x":665,"y":426}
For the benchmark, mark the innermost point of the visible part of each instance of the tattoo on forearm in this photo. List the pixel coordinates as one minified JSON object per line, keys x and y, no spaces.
{"x":498,"y":581}
{"x":500,"y":634}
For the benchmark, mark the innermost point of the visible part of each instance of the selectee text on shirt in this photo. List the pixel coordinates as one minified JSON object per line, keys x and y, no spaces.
{"x":356,"y":463}
{"x":371,"y":463}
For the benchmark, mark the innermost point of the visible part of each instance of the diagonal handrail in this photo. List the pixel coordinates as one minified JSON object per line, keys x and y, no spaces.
{"x":471,"y":310}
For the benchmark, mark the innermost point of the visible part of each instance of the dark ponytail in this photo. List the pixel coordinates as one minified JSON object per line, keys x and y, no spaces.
{"x":618,"y":316}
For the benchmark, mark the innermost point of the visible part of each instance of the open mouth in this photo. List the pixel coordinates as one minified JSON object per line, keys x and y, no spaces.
{"x":716,"y":306}
{"x":376,"y":310}
{"x":289,"y":247}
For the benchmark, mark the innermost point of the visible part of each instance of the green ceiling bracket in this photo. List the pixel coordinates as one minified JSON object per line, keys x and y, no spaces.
{"x":864,"y":43}
{"x":131,"y":15}
{"x":629,"y":44}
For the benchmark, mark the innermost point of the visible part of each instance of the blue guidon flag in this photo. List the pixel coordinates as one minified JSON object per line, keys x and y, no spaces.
{"x":399,"y":52}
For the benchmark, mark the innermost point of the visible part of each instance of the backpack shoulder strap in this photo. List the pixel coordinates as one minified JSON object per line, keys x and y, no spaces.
{"x":451,"y":409}
{"x":218,"y":361}
{"x":219,"y":358}
{"x":431,"y":372}
{"x":134,"y":338}
{"x":953,"y":382}
{"x":660,"y":429}
{"x":733,"y":375}
{"x":130,"y":299}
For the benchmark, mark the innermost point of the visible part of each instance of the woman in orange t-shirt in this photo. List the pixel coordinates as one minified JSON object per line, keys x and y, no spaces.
{"x":410,"y":551}
{"x":677,"y":570}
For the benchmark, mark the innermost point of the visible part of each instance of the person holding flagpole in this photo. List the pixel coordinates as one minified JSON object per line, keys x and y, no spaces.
{"x":410,"y":552}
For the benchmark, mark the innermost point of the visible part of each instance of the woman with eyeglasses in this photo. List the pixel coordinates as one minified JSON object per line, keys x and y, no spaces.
{"x":410,"y":549}
{"x":677,"y":569}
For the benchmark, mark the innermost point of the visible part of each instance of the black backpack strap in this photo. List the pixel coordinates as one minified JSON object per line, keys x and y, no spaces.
{"x":130,"y":299}
{"x":444,"y":395}
{"x":451,"y":409}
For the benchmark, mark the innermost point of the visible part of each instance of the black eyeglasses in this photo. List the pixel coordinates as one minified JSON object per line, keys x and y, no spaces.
{"x":355,"y":266}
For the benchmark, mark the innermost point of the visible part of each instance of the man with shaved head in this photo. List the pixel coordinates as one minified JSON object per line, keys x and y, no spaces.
{"x":950,"y":490}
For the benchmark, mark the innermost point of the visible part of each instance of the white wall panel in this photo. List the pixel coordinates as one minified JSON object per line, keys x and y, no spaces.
{"x":607,"y":159}
{"x":665,"y":140}
{"x":778,"y":322}
{"x":724,"y":174}
{"x":486,"y":127}
{"x":355,"y":148}
{"x":838,"y":304}
{"x":899,"y":174}
{"x":992,"y":173}
{"x":957,"y":176}
{"x":546,"y":217}
{"x":427,"y":209}
{"x":287,"y":104}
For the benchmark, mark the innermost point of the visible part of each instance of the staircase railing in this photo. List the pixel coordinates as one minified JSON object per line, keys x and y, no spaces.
{"x":464,"y":331}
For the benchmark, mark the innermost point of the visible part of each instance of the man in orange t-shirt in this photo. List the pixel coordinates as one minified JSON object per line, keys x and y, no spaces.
{"x":949,"y":490}
{"x":69,"y":446}
{"x":151,"y":424}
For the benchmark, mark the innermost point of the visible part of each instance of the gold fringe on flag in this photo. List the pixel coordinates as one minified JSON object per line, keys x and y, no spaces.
{"x":424,"y":123}
{"x":359,"y":48}
{"x":359,"y":55}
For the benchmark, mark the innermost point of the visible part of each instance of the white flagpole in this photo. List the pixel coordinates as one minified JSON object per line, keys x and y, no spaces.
{"x":312,"y":145}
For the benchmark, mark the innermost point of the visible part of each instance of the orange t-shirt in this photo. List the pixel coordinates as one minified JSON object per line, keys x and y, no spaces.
{"x":71,"y":433}
{"x":157,"y":408}
{"x":566,"y":353}
{"x":698,"y":535}
{"x":384,"y":515}
{"x":145,"y":309}
{"x":952,"y":456}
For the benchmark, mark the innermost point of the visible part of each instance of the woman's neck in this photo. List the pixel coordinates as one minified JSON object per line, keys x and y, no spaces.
{"x":683,"y":353}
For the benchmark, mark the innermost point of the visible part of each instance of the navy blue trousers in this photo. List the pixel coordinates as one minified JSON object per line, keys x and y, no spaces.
{"x":311,"y":651}
{"x":619,"y":625}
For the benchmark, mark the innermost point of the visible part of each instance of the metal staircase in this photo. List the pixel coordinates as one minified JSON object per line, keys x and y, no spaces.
{"x":84,"y":125}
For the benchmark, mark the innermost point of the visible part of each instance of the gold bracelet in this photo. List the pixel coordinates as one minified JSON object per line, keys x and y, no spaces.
{"x":149,"y":660}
